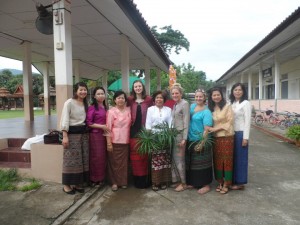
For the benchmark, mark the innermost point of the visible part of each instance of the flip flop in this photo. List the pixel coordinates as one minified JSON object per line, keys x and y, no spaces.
{"x":180,"y":187}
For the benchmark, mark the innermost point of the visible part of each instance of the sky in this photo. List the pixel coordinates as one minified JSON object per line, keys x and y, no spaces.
{"x":220,"y":32}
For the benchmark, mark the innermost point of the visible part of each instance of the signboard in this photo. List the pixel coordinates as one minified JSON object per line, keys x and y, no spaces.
{"x":267,"y":73}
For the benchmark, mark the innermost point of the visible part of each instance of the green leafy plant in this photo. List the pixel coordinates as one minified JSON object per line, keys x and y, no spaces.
{"x":162,"y":138}
{"x":205,"y":141}
{"x":293,"y":132}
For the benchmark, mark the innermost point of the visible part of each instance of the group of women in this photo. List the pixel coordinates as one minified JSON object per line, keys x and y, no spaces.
{"x":99,"y":141}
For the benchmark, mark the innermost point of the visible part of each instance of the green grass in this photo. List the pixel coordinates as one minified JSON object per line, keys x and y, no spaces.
{"x":20,"y":113}
{"x":10,"y":181}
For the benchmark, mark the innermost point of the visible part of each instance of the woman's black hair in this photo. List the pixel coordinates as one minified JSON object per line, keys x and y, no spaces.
{"x":163,"y":94}
{"x":118,"y":93}
{"x":143,"y":92}
{"x":94,"y":100}
{"x":244,"y":96}
{"x":211,"y":103}
{"x":75,"y":96}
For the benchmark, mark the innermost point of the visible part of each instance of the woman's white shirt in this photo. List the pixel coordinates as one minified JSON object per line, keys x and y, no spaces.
{"x":242,"y":117}
{"x":156,"y":116}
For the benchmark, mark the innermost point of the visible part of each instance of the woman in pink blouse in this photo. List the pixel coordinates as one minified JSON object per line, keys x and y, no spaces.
{"x":96,"y":120}
{"x":118,"y":121}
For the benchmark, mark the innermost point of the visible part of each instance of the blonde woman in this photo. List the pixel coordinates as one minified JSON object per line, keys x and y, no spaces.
{"x":180,"y":120}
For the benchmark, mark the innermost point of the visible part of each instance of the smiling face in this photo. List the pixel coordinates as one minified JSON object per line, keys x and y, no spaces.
{"x":138,"y":87}
{"x":216,"y":97}
{"x":159,"y":100}
{"x":238,"y":93}
{"x":120,"y":100}
{"x":81,"y":92}
{"x":200,"y":98}
{"x":99,"y":96}
{"x":176,"y":95}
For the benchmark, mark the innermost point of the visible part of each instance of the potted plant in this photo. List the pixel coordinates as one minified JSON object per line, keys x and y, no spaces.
{"x":293,"y":132}
{"x":205,"y":141}
{"x":161,"y":138}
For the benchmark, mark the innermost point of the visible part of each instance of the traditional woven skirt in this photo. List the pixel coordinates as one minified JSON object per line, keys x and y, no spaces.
{"x":76,"y":160}
{"x":117,"y":166}
{"x":223,"y":159}
{"x":198,"y":166}
{"x":161,"y":167}
{"x":140,"y":166}
{"x":97,"y":157}
{"x":240,"y":160}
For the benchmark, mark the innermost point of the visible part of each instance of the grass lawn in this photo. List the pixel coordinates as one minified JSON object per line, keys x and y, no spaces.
{"x":20,"y":113}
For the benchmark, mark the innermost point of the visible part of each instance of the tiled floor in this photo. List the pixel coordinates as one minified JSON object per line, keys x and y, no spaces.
{"x":19,"y":128}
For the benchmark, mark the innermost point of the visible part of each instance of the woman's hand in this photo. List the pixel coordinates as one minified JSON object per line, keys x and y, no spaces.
{"x":182,"y":143}
{"x":244,"y":142}
{"x":65,"y":141}
{"x":105,"y":129}
{"x":109,"y":147}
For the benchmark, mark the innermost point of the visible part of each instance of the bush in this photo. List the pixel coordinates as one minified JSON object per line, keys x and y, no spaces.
{"x":293,"y":132}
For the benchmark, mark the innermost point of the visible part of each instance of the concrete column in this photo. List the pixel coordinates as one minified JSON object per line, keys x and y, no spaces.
{"x":277,"y":76}
{"x":63,"y":54}
{"x":27,"y":83}
{"x":76,"y":70}
{"x":104,"y":79}
{"x":147,"y":74}
{"x":260,"y":83}
{"x":125,"y":63}
{"x":158,"y":75}
{"x":47,"y":108}
{"x":242,"y":78}
{"x":249,"y":84}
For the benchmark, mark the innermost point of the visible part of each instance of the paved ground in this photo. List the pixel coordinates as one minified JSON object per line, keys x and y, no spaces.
{"x":271,"y":197}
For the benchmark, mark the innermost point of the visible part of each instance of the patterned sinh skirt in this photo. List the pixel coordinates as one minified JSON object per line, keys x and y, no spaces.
{"x":76,"y":160}
{"x":223,"y":159}
{"x":161,"y":167}
{"x":97,"y":157}
{"x":198,"y":166}
{"x":117,"y":166}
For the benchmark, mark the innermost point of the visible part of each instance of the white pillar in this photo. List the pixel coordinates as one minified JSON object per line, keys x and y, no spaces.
{"x":104,"y":79}
{"x":125,"y":63}
{"x":277,"y":75}
{"x":76,"y":70}
{"x":242,"y":78}
{"x":147,"y":74}
{"x":62,"y":53}
{"x":249,"y":84}
{"x":47,"y":108}
{"x":260,"y":81}
{"x":158,"y":75}
{"x":27,"y":83}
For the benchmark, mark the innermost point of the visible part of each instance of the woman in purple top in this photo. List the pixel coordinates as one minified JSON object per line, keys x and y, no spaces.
{"x":96,"y":120}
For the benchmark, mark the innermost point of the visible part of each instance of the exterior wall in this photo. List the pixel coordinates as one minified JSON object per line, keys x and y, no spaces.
{"x":279,"y":105}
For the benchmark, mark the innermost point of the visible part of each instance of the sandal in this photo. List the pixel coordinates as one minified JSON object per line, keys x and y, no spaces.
{"x":163,"y":187}
{"x":203,"y":190}
{"x":180,"y":187}
{"x":224,"y":190}
{"x":114,"y":187}
{"x":237,"y":187}
{"x":154,"y":187}
{"x":219,"y":188}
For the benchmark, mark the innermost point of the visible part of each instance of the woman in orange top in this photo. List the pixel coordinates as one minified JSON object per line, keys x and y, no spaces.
{"x":224,"y":139}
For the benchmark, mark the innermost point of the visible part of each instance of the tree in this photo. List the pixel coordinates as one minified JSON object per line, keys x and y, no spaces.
{"x":5,"y":76}
{"x":171,"y":39}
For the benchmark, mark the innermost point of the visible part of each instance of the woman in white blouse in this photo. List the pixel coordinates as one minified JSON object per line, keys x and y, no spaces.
{"x":242,"y":117}
{"x":161,"y":160}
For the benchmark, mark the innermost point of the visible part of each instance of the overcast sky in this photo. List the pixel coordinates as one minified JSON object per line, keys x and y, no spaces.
{"x":220,"y":32}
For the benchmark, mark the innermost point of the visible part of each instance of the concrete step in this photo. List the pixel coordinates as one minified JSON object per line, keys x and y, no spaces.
{"x":15,"y":142}
{"x":15,"y":154}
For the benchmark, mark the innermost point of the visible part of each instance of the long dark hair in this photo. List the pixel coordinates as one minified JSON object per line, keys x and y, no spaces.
{"x":244,"y":96}
{"x":75,"y":96}
{"x":211,"y":103}
{"x":94,"y":100}
{"x":143,"y":92}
